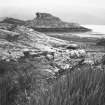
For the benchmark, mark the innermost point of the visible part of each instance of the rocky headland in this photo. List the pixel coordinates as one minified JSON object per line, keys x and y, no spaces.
{"x":45,"y":22}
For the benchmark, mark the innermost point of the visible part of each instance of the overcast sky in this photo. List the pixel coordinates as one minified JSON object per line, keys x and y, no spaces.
{"x":81,"y":11}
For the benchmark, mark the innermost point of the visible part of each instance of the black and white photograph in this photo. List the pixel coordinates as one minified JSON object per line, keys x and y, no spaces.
{"x":52,"y":52}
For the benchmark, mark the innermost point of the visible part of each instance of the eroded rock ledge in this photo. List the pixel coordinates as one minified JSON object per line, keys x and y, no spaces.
{"x":50,"y":54}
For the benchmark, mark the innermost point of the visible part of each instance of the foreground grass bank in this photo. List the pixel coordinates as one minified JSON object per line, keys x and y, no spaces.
{"x":21,"y":84}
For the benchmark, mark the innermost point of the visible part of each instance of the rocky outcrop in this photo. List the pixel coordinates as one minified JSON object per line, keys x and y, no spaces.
{"x":24,"y":43}
{"x":14,"y":43}
{"x":47,"y":22}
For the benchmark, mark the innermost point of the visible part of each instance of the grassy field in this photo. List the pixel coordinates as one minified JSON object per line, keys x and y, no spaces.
{"x":85,"y":42}
{"x":73,"y":37}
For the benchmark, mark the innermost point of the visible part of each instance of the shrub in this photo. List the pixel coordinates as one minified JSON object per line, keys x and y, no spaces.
{"x":101,"y":42}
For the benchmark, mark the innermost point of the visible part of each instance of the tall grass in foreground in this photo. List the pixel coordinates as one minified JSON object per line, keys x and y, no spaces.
{"x":80,"y":87}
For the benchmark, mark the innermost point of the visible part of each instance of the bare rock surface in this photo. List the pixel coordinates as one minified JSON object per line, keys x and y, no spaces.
{"x":22,"y":44}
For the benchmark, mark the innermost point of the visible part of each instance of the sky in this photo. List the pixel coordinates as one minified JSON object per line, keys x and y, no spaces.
{"x":80,"y":11}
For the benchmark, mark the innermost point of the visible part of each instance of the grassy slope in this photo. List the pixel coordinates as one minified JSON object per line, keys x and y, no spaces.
{"x":25,"y":85}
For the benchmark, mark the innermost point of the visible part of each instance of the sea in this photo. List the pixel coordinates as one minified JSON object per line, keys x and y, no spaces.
{"x":98,"y":31}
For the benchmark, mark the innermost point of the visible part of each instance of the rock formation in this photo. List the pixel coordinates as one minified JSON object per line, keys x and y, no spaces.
{"x":44,"y":22}
{"x":25,"y":43}
{"x":47,"y":22}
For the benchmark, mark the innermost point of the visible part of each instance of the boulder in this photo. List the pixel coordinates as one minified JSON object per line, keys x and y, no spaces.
{"x":72,"y":46}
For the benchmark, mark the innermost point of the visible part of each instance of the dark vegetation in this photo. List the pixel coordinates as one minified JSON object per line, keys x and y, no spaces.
{"x":21,"y":83}
{"x":72,"y":29}
{"x":101,"y":42}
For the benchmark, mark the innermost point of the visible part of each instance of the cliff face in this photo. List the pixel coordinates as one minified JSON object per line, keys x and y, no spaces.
{"x":47,"y":22}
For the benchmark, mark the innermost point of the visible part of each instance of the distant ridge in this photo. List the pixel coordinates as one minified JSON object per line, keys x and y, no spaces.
{"x":45,"y":22}
{"x":13,"y":21}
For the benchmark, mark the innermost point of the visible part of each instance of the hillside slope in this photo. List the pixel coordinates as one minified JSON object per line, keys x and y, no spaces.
{"x":24,"y":42}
